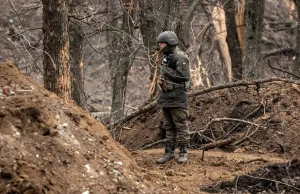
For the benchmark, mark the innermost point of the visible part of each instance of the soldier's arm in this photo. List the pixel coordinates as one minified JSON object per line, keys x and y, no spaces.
{"x":181,"y":71}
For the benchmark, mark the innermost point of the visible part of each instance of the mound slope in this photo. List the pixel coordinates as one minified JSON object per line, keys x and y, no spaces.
{"x":271,"y":110}
{"x":51,"y":146}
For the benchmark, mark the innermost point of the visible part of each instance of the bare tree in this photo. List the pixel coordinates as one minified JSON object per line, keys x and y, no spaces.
{"x":149,"y":30}
{"x":56,"y":47}
{"x":76,"y":54}
{"x":296,"y":66}
{"x":232,"y":39}
{"x":124,"y":62}
{"x":253,"y":19}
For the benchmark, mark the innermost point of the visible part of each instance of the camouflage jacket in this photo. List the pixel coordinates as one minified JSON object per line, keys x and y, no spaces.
{"x":175,"y":75}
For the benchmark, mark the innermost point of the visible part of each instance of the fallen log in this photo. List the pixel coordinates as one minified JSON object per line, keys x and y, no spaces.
{"x":241,"y":83}
{"x":219,"y":144}
{"x":132,"y":115}
{"x":208,"y":90}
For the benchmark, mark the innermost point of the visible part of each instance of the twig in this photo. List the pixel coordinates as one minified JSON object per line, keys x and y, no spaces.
{"x":246,"y":137}
{"x":255,"y":160}
{"x":250,"y":114}
{"x":275,"y":181}
{"x":220,"y":143}
{"x":152,"y":144}
{"x":228,"y":119}
{"x":18,"y":14}
{"x":202,"y":157}
{"x":201,"y":135}
{"x":217,"y":144}
{"x":236,"y":183}
{"x":278,"y":51}
{"x":281,"y":70}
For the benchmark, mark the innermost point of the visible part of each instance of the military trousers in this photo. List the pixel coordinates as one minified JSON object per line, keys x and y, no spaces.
{"x":176,"y":125}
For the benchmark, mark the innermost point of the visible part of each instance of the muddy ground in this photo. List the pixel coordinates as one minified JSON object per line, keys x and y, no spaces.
{"x":51,"y":146}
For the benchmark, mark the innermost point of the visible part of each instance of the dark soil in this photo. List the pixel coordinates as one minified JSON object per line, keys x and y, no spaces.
{"x":48,"y":145}
{"x":278,"y":178}
{"x":275,"y":107}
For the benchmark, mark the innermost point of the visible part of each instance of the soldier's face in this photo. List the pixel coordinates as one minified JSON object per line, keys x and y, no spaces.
{"x":162,"y":45}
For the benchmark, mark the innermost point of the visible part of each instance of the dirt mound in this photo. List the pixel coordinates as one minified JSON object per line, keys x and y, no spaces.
{"x":51,"y":146}
{"x":278,"y":178}
{"x":272,"y":113}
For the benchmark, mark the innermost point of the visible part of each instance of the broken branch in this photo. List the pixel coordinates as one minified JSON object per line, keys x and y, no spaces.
{"x":220,"y":143}
{"x":152,"y":144}
{"x":211,"y":89}
{"x":228,"y":119}
{"x":241,"y":83}
{"x":132,"y":115}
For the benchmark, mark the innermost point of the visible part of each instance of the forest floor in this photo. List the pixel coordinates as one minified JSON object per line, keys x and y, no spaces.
{"x":48,"y":145}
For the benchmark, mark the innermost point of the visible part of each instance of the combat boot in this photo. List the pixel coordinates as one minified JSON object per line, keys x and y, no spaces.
{"x":168,"y":155}
{"x":183,"y":156}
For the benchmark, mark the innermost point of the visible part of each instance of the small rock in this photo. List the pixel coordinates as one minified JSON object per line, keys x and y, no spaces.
{"x":170,"y":172}
{"x":65,"y":125}
{"x":120,"y":163}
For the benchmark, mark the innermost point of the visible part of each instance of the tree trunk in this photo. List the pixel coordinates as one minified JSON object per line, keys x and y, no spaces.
{"x":233,"y":40}
{"x":218,"y":20}
{"x":56,"y":47}
{"x":123,"y":65}
{"x":112,"y":37}
{"x":296,"y":66}
{"x":76,"y":60}
{"x":253,"y":20}
{"x":149,"y":33}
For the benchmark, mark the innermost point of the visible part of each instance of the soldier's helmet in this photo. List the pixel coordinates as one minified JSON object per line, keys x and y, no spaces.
{"x":168,"y":37}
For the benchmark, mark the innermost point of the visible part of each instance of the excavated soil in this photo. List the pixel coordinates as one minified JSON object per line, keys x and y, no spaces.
{"x":259,"y":163}
{"x":51,"y":146}
{"x":48,"y":145}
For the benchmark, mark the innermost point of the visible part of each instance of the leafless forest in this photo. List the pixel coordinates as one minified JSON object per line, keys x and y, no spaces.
{"x":110,"y":39}
{"x":102,"y":55}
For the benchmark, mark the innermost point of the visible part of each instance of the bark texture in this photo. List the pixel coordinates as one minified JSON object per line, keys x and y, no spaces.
{"x":56,"y":47}
{"x":76,"y":57}
{"x":149,"y":33}
{"x":296,"y":66}
{"x":253,"y":20}
{"x":233,"y":40}
{"x":123,"y":65}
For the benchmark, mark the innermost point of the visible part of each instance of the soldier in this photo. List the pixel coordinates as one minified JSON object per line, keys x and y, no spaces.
{"x":173,"y":98}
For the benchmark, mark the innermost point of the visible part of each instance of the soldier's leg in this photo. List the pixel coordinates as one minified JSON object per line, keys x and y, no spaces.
{"x":180,"y":119}
{"x":170,"y":137}
{"x":171,"y":133}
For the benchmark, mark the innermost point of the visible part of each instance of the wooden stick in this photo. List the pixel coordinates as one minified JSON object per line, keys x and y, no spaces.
{"x":219,"y":143}
{"x":132,"y":115}
{"x":228,"y":119}
{"x":152,"y":144}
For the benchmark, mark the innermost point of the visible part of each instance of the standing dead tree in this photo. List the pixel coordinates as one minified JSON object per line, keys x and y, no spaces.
{"x":232,"y":38}
{"x":218,"y":20}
